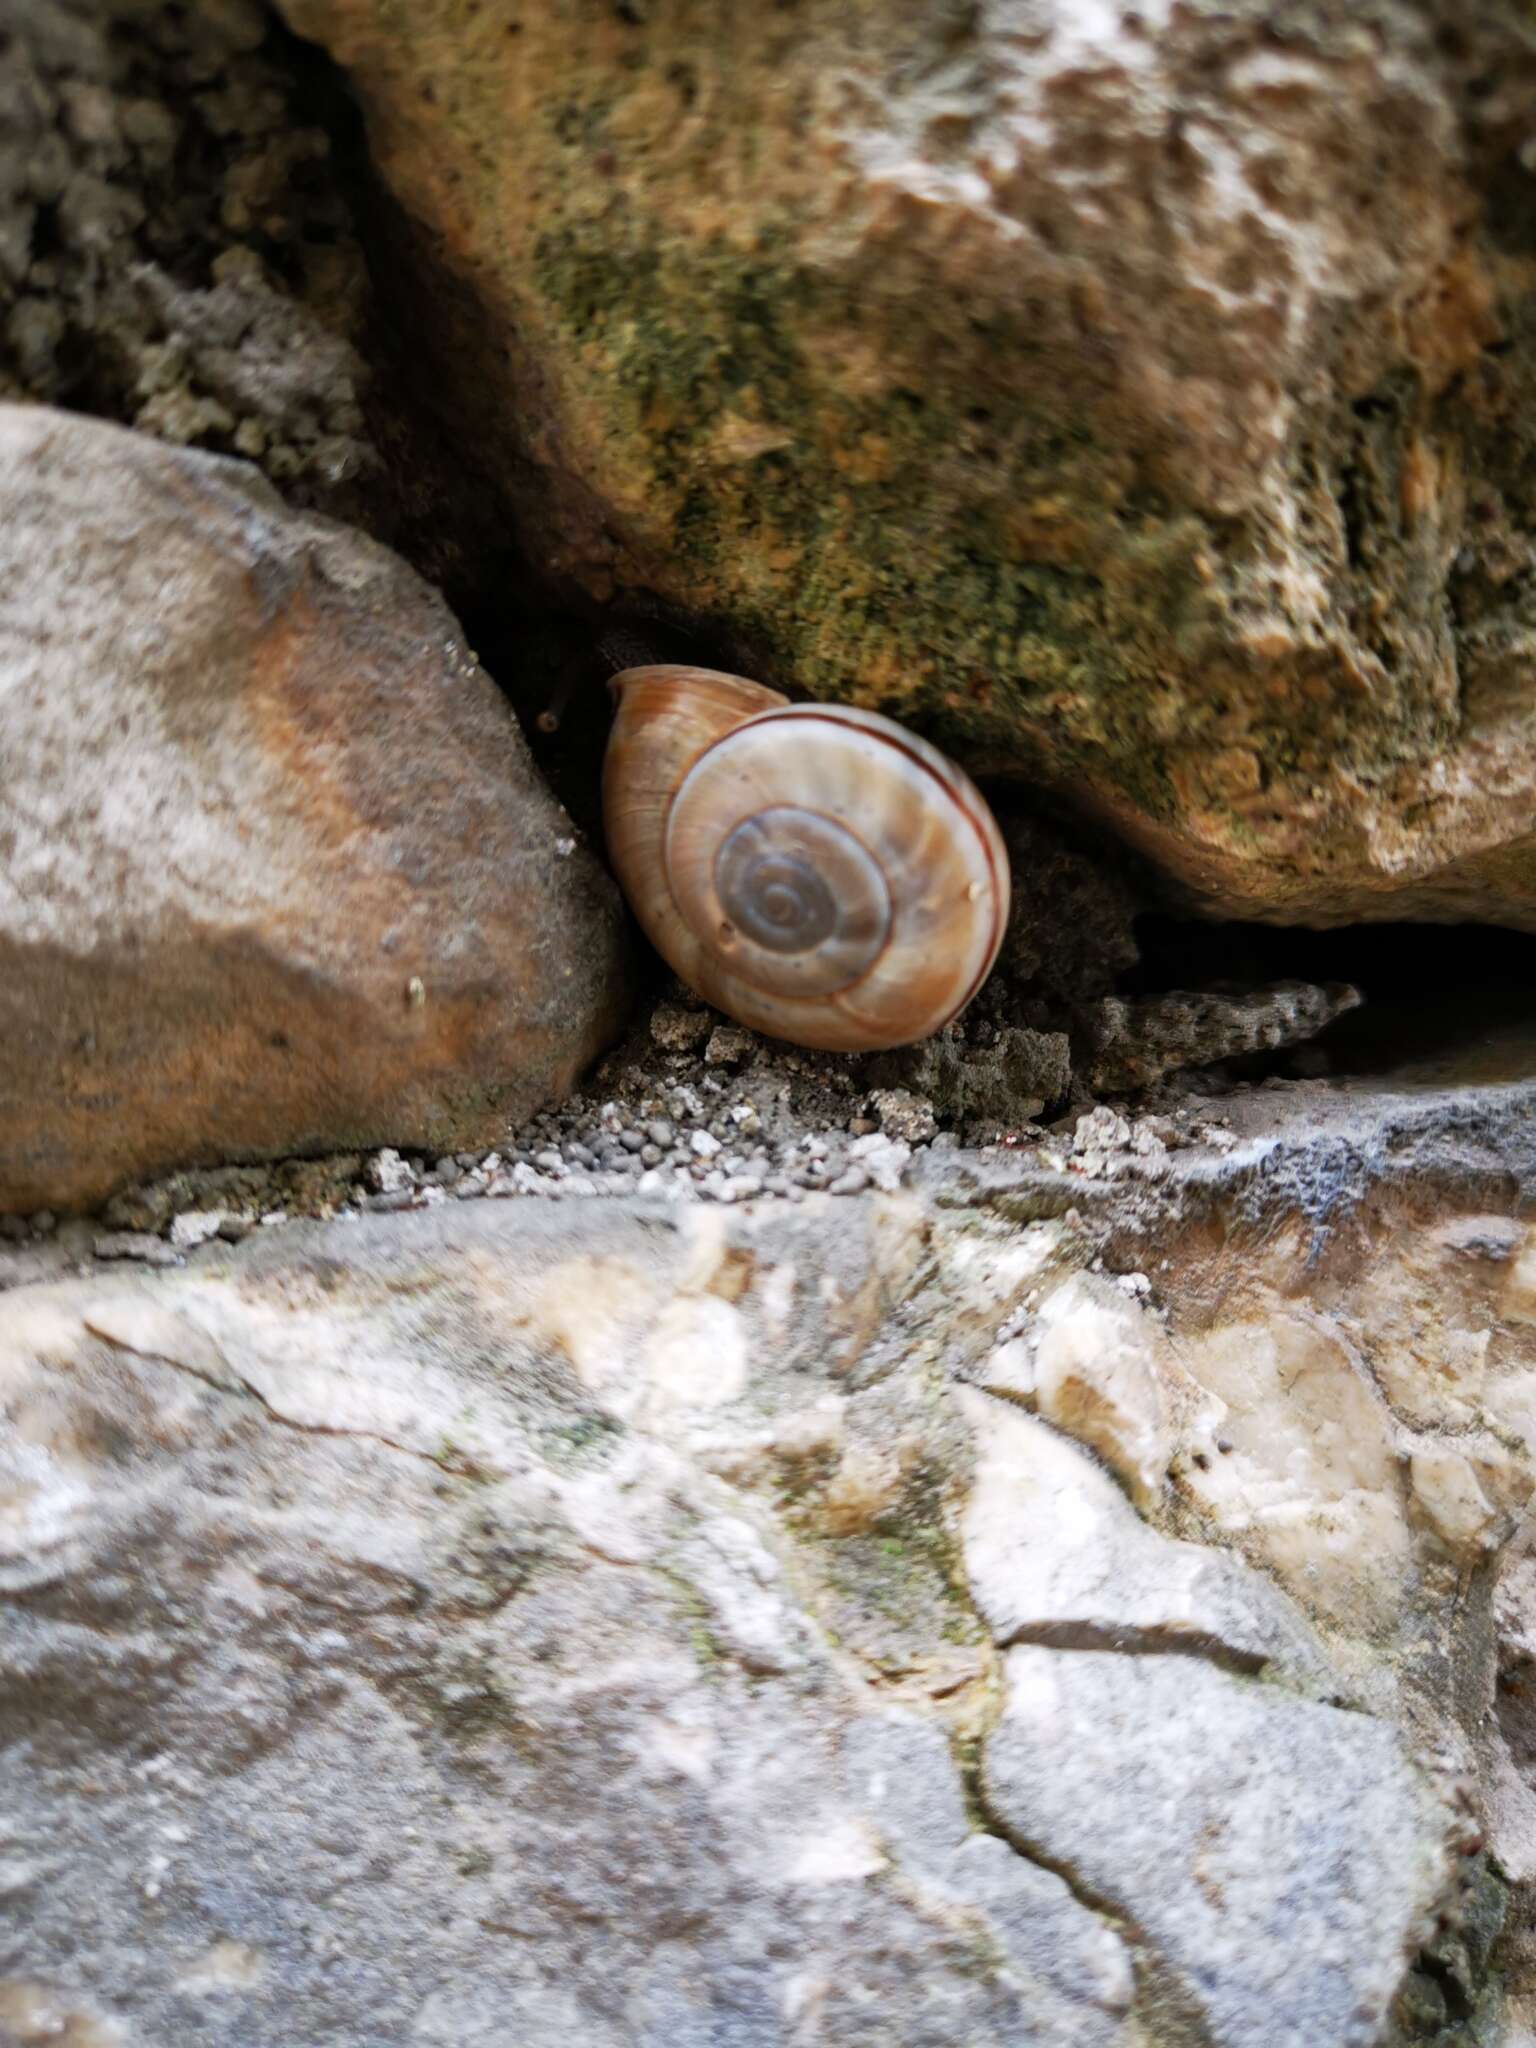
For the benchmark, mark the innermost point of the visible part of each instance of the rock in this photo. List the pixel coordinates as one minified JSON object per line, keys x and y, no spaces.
{"x":898,"y":1764}
{"x":135,"y":1244}
{"x":1098,"y":1376}
{"x":1180,"y":459}
{"x":388,"y":1174}
{"x":905,"y":1116}
{"x":196,"y":1226}
{"x":633,"y":1617}
{"x":257,"y":789}
{"x":679,"y":1030}
{"x":1000,"y":1086}
{"x":176,"y":246}
{"x":1241,"y":1832}
{"x":1055,"y":1554}
{"x":1509,"y":1771}
{"x":510,"y":1701}
{"x":1134,"y":1044}
{"x":880,"y":1159}
{"x":1320,"y":1478}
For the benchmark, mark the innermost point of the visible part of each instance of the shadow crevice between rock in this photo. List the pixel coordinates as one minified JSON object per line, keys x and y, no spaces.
{"x":1138,"y":1642}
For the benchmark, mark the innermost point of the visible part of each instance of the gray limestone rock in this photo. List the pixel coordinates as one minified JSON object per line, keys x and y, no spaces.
{"x":1278,"y":1860}
{"x":366,"y":1678}
{"x":611,"y":1622}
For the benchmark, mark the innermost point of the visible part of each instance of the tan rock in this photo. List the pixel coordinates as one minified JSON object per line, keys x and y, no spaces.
{"x":1097,"y":1377}
{"x":1140,"y":401}
{"x":1054,"y":1553}
{"x":278,"y":874}
{"x":1308,"y":1479}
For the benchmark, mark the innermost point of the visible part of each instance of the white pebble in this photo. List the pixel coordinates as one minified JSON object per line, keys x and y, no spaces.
{"x":194,"y":1227}
{"x":387,"y":1172}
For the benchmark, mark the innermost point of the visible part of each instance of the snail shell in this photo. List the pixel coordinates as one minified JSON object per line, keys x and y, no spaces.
{"x":814,"y":871}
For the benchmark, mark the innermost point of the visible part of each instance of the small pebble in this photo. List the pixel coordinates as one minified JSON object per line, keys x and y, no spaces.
{"x":388,"y":1173}
{"x":1101,"y":1130}
{"x":853,"y":1182}
{"x":679,"y":1030}
{"x":43,"y":1222}
{"x":704,"y":1145}
{"x":659,"y":1131}
{"x":728,"y":1046}
{"x":632,"y":1141}
{"x":905,"y":1115}
{"x":194,"y":1227}
{"x":135,"y":1244}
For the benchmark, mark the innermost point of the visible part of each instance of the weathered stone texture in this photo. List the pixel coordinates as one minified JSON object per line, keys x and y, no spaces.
{"x":276,"y":872}
{"x":176,"y":250}
{"x":1140,"y":399}
{"x":653,"y":1625}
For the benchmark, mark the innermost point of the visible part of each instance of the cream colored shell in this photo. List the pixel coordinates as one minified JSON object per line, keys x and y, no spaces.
{"x":816,"y":872}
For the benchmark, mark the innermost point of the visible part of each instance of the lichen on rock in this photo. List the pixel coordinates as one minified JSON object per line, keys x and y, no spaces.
{"x":1139,"y":406}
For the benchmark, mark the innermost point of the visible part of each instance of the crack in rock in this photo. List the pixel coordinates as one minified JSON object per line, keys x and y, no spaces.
{"x":154,"y":1325}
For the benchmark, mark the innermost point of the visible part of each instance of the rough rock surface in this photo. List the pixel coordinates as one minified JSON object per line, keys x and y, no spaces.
{"x":1138,"y":398}
{"x":639,"y":1624}
{"x":1224,"y":1837}
{"x":278,"y":874}
{"x":1510,"y":1756}
{"x":175,"y":249}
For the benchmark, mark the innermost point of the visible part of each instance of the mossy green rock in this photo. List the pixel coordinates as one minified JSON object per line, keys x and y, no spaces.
{"x":1143,"y":410}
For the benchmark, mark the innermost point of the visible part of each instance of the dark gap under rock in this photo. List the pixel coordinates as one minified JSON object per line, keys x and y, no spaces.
{"x":1440,"y":1002}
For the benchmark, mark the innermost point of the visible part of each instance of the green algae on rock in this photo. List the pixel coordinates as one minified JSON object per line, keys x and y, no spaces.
{"x":1142,"y":411}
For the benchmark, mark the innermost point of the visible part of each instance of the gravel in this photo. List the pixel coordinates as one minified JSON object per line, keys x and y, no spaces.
{"x":670,"y":1117}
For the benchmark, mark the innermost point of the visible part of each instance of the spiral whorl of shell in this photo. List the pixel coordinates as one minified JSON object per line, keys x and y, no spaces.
{"x":816,"y":872}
